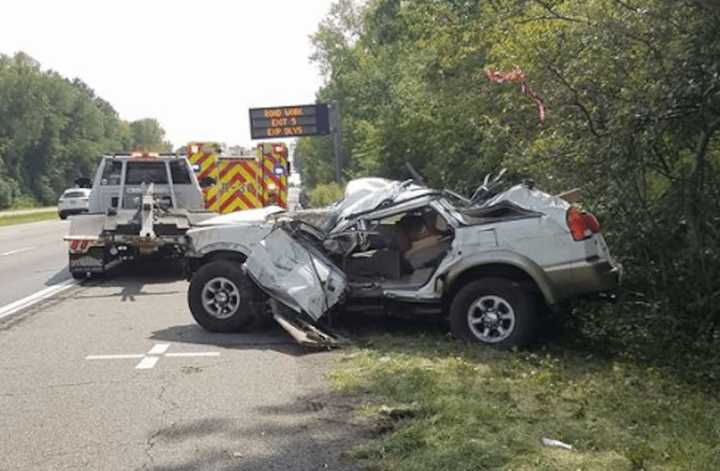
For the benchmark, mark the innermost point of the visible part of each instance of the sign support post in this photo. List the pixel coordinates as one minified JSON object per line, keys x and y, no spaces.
{"x":336,"y":129}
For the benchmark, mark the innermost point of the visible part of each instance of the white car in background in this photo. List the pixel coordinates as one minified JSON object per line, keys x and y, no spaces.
{"x":73,"y":201}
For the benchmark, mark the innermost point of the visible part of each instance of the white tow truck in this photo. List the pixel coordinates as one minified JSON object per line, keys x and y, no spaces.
{"x":140,"y":204}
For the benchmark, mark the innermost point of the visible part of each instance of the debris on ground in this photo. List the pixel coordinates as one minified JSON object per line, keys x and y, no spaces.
{"x":556,"y":443}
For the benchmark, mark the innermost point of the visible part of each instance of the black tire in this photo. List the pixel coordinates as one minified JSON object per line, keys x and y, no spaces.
{"x":63,"y":216}
{"x":236,"y":320}
{"x":503,"y":296}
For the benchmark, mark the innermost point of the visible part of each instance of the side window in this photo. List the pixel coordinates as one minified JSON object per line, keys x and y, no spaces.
{"x":179,"y":173}
{"x":112,"y":172}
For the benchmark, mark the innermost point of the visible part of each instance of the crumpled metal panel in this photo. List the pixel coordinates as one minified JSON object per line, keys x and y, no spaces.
{"x":533,"y":200}
{"x":241,"y":237}
{"x":301,"y":278}
{"x":366,"y":194}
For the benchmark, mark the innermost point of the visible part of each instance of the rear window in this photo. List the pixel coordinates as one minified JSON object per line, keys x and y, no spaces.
{"x":74,"y":194}
{"x":179,"y":172}
{"x":146,"y":172}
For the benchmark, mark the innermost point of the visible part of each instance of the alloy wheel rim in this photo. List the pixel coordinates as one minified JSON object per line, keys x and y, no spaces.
{"x":221,"y":297}
{"x":491,"y":319}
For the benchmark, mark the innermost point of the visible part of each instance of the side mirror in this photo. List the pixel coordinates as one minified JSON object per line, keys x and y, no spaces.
{"x":207,"y":182}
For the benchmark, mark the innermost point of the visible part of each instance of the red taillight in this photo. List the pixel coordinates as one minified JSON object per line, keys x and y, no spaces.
{"x":581,"y":224}
{"x":592,"y":223}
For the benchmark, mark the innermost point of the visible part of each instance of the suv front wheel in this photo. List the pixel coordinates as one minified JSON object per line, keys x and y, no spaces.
{"x":220,"y":297}
{"x":495,"y":312}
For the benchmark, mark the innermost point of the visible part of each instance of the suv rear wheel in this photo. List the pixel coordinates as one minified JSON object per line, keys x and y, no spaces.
{"x":220,"y":297}
{"x":493,"y":311}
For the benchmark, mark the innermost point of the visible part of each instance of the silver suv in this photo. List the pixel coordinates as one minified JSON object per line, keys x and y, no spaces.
{"x":490,"y":263}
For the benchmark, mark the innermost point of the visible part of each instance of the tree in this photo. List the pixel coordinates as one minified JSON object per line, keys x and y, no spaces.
{"x":632,"y":92}
{"x":147,"y":135}
{"x":52,"y":130}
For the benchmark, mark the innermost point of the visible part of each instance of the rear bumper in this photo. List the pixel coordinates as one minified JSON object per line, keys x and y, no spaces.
{"x":71,"y":211}
{"x":592,"y":277}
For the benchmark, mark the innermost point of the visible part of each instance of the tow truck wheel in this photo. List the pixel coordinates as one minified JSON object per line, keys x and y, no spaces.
{"x":219,"y":297}
{"x":495,"y":312}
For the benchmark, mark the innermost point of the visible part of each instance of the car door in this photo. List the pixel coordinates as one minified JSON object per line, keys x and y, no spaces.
{"x":294,"y":272}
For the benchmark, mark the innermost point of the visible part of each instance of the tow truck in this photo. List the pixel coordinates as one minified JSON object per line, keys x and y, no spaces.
{"x":141,"y":204}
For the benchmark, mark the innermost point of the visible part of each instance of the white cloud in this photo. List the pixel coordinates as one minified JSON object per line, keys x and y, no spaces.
{"x":197,"y":66}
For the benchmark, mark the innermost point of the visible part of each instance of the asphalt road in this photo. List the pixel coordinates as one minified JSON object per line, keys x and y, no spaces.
{"x":176,"y":397}
{"x":32,"y":257}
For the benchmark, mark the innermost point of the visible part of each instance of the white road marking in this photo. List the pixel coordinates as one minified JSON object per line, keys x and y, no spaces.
{"x":16,"y":251}
{"x":147,"y":363}
{"x":149,"y":360}
{"x":198,"y":354}
{"x":159,"y":349}
{"x":12,"y":308}
{"x":114,"y":357}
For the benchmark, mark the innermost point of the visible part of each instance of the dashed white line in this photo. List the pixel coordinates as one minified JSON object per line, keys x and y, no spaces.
{"x":35,"y":298}
{"x":115,"y":357}
{"x":149,"y":360}
{"x":16,"y":251}
{"x":147,"y":363}
{"x":197,"y":354}
{"x":159,"y":349}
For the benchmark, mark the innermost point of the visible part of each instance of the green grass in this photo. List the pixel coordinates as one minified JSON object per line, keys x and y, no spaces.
{"x":470,"y":408}
{"x":24,"y":218}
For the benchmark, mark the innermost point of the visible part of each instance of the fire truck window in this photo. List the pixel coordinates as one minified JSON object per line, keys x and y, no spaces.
{"x":179,"y":173}
{"x":146,"y":172}
{"x":111,"y":172}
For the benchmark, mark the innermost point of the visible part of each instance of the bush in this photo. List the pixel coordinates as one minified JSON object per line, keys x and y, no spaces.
{"x":6,"y":193}
{"x":325,"y":194}
{"x":24,"y":202}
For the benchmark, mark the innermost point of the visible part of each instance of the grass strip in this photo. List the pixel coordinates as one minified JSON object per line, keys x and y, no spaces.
{"x":440,"y":404}
{"x":30,"y":217}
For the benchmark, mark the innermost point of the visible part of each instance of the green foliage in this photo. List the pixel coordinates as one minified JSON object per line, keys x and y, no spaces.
{"x":52,"y":131}
{"x":24,"y":202}
{"x":325,"y":194}
{"x":147,"y":135}
{"x":632,"y":92}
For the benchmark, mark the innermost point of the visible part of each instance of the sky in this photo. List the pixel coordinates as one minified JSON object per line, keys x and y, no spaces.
{"x":197,"y":66}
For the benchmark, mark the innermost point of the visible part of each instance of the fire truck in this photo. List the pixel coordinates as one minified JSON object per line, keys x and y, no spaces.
{"x":237,"y":182}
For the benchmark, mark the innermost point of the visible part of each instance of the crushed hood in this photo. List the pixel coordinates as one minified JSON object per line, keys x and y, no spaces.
{"x":243,"y":216}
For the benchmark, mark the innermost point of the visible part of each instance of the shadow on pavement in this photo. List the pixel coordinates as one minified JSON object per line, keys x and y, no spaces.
{"x":308,"y":433}
{"x":356,"y":328}
{"x":59,"y":277}
{"x":270,"y":338}
{"x":131,"y":278}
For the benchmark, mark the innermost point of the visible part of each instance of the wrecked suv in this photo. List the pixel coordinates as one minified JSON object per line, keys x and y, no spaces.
{"x":491,"y":264}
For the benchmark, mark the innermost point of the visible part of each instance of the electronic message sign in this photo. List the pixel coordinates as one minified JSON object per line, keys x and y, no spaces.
{"x":289,"y":121}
